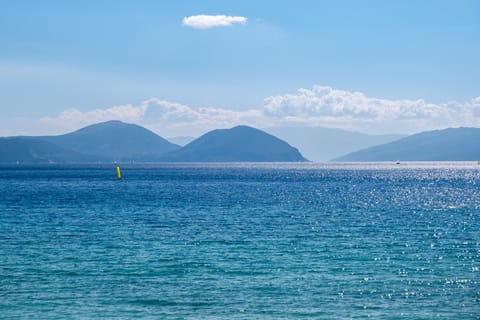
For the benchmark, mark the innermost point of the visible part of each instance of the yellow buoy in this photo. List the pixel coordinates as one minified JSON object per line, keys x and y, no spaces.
{"x":119,"y":174}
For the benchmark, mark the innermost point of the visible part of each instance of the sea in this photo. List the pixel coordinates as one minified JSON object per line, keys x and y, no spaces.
{"x":240,"y":241}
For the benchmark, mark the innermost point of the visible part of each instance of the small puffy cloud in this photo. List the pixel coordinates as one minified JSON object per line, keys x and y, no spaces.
{"x":210,"y":21}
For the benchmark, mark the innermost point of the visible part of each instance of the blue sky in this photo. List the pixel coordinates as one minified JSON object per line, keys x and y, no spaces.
{"x":59,"y":56}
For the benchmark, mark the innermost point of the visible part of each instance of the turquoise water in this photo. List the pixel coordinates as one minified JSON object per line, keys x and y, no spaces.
{"x":257,"y":241}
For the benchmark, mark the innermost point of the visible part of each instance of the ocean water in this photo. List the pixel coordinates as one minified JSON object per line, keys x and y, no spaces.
{"x":241,"y":241}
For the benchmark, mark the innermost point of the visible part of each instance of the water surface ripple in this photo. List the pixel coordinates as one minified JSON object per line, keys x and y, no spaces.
{"x":257,"y":241}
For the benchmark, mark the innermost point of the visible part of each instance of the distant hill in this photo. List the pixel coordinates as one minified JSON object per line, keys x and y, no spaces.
{"x":32,"y":150}
{"x":453,"y":144}
{"x":241,"y":143}
{"x":181,"y":140}
{"x":115,"y":141}
{"x":324,"y":144}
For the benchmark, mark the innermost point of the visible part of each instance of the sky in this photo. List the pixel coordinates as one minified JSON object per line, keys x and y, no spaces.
{"x":185,"y":67}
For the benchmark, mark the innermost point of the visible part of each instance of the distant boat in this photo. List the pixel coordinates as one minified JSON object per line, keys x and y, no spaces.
{"x":119,"y":174}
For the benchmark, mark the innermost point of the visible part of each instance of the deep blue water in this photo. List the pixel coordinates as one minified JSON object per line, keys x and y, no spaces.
{"x":238,"y":241}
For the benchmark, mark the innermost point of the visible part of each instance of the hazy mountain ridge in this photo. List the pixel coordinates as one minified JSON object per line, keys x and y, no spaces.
{"x":452,"y":144}
{"x":181,"y":140}
{"x":324,"y":144}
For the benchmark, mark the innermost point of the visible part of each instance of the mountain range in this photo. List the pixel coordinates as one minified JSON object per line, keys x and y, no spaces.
{"x":452,"y":144}
{"x":115,"y":141}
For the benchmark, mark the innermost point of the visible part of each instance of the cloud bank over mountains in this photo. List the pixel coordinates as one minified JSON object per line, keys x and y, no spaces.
{"x":318,"y":106}
{"x":162,"y":116}
{"x":325,"y":106}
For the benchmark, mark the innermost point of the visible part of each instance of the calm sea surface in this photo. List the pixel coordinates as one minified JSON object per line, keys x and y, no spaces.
{"x":256,"y":241}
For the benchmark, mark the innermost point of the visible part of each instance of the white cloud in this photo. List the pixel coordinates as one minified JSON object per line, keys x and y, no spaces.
{"x":325,"y":106}
{"x":209,"y":21}
{"x":73,"y":118}
{"x":164,"y":117}
{"x":176,"y":119}
{"x":318,"y":106}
